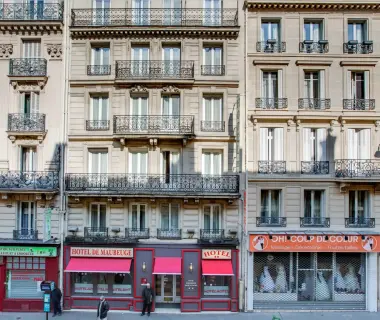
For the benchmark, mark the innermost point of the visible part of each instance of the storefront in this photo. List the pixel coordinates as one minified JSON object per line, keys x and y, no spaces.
{"x":22,"y":269}
{"x":330,"y":272}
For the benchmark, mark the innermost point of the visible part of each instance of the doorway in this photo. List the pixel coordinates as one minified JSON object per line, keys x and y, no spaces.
{"x":168,"y":291}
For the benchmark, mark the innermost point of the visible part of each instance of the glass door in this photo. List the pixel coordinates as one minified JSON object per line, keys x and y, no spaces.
{"x":168,"y":288}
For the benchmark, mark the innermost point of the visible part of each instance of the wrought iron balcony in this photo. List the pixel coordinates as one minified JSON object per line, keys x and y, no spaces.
{"x":169,"y":234}
{"x":271,"y":103}
{"x":28,"y":67}
{"x":97,"y":125}
{"x":137,"y":233}
{"x":271,"y":222}
{"x":319,"y":222}
{"x":272,"y":167}
{"x":314,"y":103}
{"x":212,"y":126}
{"x":26,"y":122}
{"x":271,"y":46}
{"x":354,"y":168}
{"x":152,"y":183}
{"x":177,"y":17}
{"x":212,"y":234}
{"x":213,"y":70}
{"x":315,"y":167}
{"x":31,"y":11}
{"x":98,"y":70}
{"x":96,"y":233}
{"x":310,"y":46}
{"x":25,"y":234}
{"x":161,"y":125}
{"x":29,"y":180}
{"x":154,"y":69}
{"x":360,"y":222}
{"x":359,"y":104}
{"x":354,"y":47}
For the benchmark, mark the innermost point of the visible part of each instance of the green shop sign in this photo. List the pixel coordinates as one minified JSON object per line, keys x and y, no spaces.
{"x":28,"y":251}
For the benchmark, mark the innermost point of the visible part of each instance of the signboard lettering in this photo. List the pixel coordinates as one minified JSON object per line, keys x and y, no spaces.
{"x":191,"y":285}
{"x":28,"y":251}
{"x":102,"y":288}
{"x":216,"y":254}
{"x":216,"y":290}
{"x":101,"y":252}
{"x":122,"y":289}
{"x":83,"y":288}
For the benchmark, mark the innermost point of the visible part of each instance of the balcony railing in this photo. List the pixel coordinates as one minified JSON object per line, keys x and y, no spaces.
{"x":28,"y":67}
{"x":29,"y":180}
{"x":319,"y":222}
{"x":359,"y":104}
{"x":212,"y":126}
{"x":97,"y":125}
{"x":96,"y":233}
{"x":310,"y":46}
{"x":98,"y":70}
{"x":354,"y":47}
{"x":271,"y":46}
{"x":152,"y":183}
{"x":137,"y":233}
{"x":271,"y":103}
{"x":31,"y":11}
{"x":176,"y":17}
{"x":272,"y":167}
{"x":166,"y":125}
{"x":315,"y":167}
{"x":26,"y":122}
{"x":271,"y":222}
{"x":25,"y":234}
{"x":360,"y":222}
{"x":314,"y":104}
{"x":213,"y":70}
{"x":169,"y":234}
{"x":212,"y":234}
{"x":154,"y":69}
{"x":356,"y":168}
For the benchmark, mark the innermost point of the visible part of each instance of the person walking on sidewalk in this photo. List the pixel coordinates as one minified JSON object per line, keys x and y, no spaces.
{"x":103,"y":308}
{"x":148,"y":296}
{"x":56,"y":296}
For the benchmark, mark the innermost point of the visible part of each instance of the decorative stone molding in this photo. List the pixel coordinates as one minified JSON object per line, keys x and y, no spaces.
{"x":170,"y":89}
{"x":290,"y":123}
{"x":377,"y":125}
{"x":54,"y":51}
{"x":6,"y":50}
{"x":301,"y":5}
{"x":28,"y":86}
{"x":342,"y":123}
{"x":139,"y":89}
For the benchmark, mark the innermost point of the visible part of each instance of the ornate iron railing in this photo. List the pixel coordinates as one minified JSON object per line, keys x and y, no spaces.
{"x":359,"y":104}
{"x":272,"y":167}
{"x":320,"y":222}
{"x":314,"y":104}
{"x":152,"y":183}
{"x":213,"y":70}
{"x":26,"y":122}
{"x":155,"y":17}
{"x":169,"y":234}
{"x":168,"y":125}
{"x":212,"y":126}
{"x":137,"y":233}
{"x":271,"y":46}
{"x":212,"y":234}
{"x":98,"y":70}
{"x":351,"y":168}
{"x":154,"y":69}
{"x":358,"y":48}
{"x":96,"y":233}
{"x":31,"y":10}
{"x":359,"y":222}
{"x":97,"y":125}
{"x":314,"y":47}
{"x":315,"y":167}
{"x":271,"y":222}
{"x":28,"y":67}
{"x":25,"y":234}
{"x":271,"y":103}
{"x":29,"y":180}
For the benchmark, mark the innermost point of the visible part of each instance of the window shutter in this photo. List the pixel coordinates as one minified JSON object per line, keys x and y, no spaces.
{"x":322,"y":86}
{"x":278,"y":144}
{"x":352,"y":146}
{"x":321,"y":144}
{"x":307,"y":144}
{"x":366,"y":84}
{"x":280,"y":85}
{"x":365,"y":144}
{"x":263,"y":144}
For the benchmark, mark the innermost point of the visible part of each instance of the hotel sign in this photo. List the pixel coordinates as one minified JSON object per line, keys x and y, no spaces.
{"x":101,"y":252}
{"x":216,"y":254}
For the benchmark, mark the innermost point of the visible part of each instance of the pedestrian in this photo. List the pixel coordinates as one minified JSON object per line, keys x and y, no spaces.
{"x":103,"y":308}
{"x":148,"y":296}
{"x":56,"y":296}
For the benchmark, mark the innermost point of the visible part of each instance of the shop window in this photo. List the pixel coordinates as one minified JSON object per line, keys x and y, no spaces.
{"x":83,"y":283}
{"x":216,"y":286}
{"x":122,"y":284}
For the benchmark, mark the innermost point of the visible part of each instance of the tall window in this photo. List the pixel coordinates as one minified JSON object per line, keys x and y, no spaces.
{"x":140,"y":58}
{"x":271,"y":84}
{"x":213,"y":60}
{"x":359,"y":144}
{"x":170,"y":105}
{"x":141,"y":12}
{"x":101,"y":16}
{"x":313,"y":201}
{"x":100,"y":56}
{"x":173,"y":13}
{"x":359,"y":205}
{"x":357,"y":31}
{"x":29,"y":102}
{"x":270,"y":205}
{"x":312,"y":30}
{"x":270,"y":30}
{"x":314,"y":144}
{"x":99,"y":112}
{"x":138,"y":216}
{"x":211,"y":163}
{"x":169,"y":216}
{"x":171,"y":57}
{"x":31,"y":49}
{"x":314,"y":84}
{"x":28,"y":159}
{"x":272,"y":144}
{"x":98,"y":161}
{"x":171,"y":162}
{"x":358,"y":85}
{"x":212,"y":217}
{"x":213,"y":110}
{"x":212,"y":12}
{"x":98,"y":216}
{"x":26,"y":221}
{"x":138,"y":163}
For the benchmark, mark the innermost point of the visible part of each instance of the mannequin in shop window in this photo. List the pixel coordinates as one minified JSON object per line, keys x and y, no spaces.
{"x":339,"y":284}
{"x":322,"y":288}
{"x":281,"y":284}
{"x":266,"y":281}
{"x":351,"y":280}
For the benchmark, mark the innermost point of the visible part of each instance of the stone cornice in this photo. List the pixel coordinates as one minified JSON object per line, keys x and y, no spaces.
{"x":31,"y":28}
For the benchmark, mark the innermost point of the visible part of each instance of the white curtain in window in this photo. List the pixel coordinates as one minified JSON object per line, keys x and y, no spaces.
{"x":139,"y":162}
{"x":138,"y":216}
{"x":307,"y":145}
{"x":139,"y":106}
{"x":364,"y":139}
{"x":98,"y":161}
{"x":321,"y":144}
{"x":100,"y":56}
{"x":212,"y":56}
{"x":31,"y":49}
{"x":171,"y":105}
{"x":212,"y":163}
{"x":99,"y":110}
{"x":213,"y":109}
{"x":269,"y":31}
{"x":264,"y":144}
{"x":28,"y":159}
{"x":322,"y":87}
{"x":278,"y":144}
{"x":366,"y":84}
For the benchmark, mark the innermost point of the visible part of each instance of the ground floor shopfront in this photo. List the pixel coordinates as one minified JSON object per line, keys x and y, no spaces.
{"x":312,"y":272}
{"x":190,"y":278}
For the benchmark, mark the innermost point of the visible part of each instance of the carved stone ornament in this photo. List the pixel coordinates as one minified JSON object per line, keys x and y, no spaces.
{"x":28,"y":86}
{"x":139,"y":89}
{"x":6,"y":50}
{"x":170,"y":89}
{"x":54,"y":51}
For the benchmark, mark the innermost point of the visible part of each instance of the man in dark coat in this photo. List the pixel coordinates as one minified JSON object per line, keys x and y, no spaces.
{"x":148,"y":296}
{"x":56,"y":296}
{"x":103,"y":309}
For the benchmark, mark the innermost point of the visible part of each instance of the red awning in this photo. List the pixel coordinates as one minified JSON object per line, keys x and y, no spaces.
{"x":167,"y":265}
{"x":101,"y":265}
{"x":217,"y":268}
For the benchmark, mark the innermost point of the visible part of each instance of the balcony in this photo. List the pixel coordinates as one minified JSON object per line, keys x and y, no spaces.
{"x":271,"y":222}
{"x":271,"y":46}
{"x":31,"y":11}
{"x":97,"y":125}
{"x":314,"y":104}
{"x":359,"y":104}
{"x":25,"y":234}
{"x":212,"y":234}
{"x":354,"y":47}
{"x":154,"y":70}
{"x":213,"y":70}
{"x":359,"y":222}
{"x":169,"y":234}
{"x":98,"y":70}
{"x":272,"y":167}
{"x":271,"y":103}
{"x":357,"y":168}
{"x":212,"y":126}
{"x":26,"y":123}
{"x":318,"y":222}
{"x":137,"y":233}
{"x":315,"y":167}
{"x":96,"y":233}
{"x":29,"y":180}
{"x":27,"y":67}
{"x":310,"y":46}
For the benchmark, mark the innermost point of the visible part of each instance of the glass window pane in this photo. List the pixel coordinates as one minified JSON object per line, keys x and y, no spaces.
{"x":352,"y":204}
{"x":275,"y":203}
{"x":165,"y":216}
{"x":264,"y":203}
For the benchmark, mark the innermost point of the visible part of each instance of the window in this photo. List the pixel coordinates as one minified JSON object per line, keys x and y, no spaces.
{"x":357,"y":31}
{"x":314,"y":84}
{"x":98,"y":216}
{"x":313,"y":202}
{"x":29,"y":102}
{"x":313,"y":30}
{"x":141,"y":12}
{"x":212,"y":217}
{"x":271,"y":84}
{"x":100,"y":56}
{"x":101,"y":15}
{"x":314,"y":144}
{"x":31,"y":49}
{"x":171,"y":57}
{"x":211,"y":163}
{"x":271,"y":144}
{"x":213,"y":60}
{"x":270,"y":30}
{"x":213,"y":12}
{"x":171,"y":162}
{"x":98,"y":161}
{"x":140,"y":61}
{"x":28,"y":159}
{"x":83,"y":283}
{"x":359,"y":206}
{"x":139,"y":106}
{"x":170,"y":105}
{"x":359,"y":144}
{"x":169,"y":216}
{"x":26,"y":221}
{"x":99,"y":112}
{"x":138,"y":163}
{"x":138,"y":216}
{"x":216,"y":286}
{"x":358,"y":85}
{"x":173,"y":14}
{"x":212,"y":113}
{"x":270,"y":205}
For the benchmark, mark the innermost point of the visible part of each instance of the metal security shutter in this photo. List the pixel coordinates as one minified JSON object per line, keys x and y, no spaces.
{"x":24,"y":284}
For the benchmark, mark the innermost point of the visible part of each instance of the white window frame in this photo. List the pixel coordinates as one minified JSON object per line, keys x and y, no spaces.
{"x":322,"y":204}
{"x":91,"y":152}
{"x":137,"y":6}
{"x":101,"y":101}
{"x":102,"y":55}
{"x":355,"y":24}
{"x":311,"y":35}
{"x":212,"y":53}
{"x":314,"y":144}
{"x":357,"y":144}
{"x":215,"y":102}
{"x":369,"y":201}
{"x":139,"y":205}
{"x":32,"y":163}
{"x":270,"y":150}
{"x":171,"y":105}
{"x":139,"y":99}
{"x":212,"y":155}
{"x":139,"y":162}
{"x":269,"y":23}
{"x":272,"y":92}
{"x":97,"y":204}
{"x":173,"y":151}
{"x":170,"y":215}
{"x":280,"y":191}
{"x":212,"y":205}
{"x":33,"y":226}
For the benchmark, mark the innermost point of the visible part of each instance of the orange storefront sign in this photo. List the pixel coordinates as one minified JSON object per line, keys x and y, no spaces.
{"x":313,"y":243}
